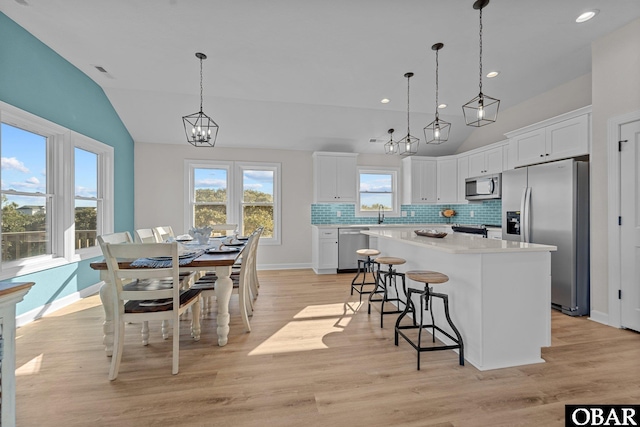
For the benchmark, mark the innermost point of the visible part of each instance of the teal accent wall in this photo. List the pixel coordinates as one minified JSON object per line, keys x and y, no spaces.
{"x":36,"y":79}
{"x":486,"y":212}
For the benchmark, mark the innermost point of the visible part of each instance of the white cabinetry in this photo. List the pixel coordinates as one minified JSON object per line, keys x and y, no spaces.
{"x":419,"y":180}
{"x":554,"y":139}
{"x":485,"y":162}
{"x":463,"y":174}
{"x":324,"y":250}
{"x":447,"y":179}
{"x":334,"y":177}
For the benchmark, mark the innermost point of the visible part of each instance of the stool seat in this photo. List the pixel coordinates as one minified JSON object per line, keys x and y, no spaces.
{"x":426,"y":276}
{"x":389,"y":260}
{"x":368,"y":252}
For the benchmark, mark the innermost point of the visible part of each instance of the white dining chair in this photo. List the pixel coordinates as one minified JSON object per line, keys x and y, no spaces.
{"x":145,"y":235}
{"x":224,"y":229}
{"x":163,"y":233}
{"x":135,"y":302}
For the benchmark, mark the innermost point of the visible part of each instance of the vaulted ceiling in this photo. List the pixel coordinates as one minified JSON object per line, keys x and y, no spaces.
{"x":310,"y":74}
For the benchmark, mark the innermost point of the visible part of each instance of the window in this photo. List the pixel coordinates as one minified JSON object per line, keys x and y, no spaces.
{"x":244,"y":193}
{"x":51,"y":213}
{"x":377,"y":192}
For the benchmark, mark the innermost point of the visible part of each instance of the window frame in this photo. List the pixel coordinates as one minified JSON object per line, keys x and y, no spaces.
{"x":395,"y":191}
{"x":61,"y":191}
{"x":234,"y":191}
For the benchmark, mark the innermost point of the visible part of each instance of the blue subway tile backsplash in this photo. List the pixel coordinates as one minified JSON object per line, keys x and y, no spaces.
{"x":488,"y":212}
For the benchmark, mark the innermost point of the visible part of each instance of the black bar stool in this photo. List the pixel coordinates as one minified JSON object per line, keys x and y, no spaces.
{"x":426,"y":302}
{"x":365,"y":266}
{"x":384,"y":280}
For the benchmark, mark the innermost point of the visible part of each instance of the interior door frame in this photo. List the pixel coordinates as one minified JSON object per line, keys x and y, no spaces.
{"x":614,"y":125}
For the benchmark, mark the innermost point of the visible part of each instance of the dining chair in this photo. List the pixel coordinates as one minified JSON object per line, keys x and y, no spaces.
{"x":224,"y":229}
{"x":136,"y":302}
{"x":145,"y":235}
{"x":163,"y":233}
{"x":241,"y":283}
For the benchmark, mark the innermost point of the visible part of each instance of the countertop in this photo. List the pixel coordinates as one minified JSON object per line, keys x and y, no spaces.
{"x":389,"y":225}
{"x":458,"y":243}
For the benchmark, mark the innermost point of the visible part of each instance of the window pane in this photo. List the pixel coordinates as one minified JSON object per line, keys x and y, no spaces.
{"x":210,"y":214}
{"x":375,"y":201}
{"x":210,"y":185}
{"x":25,"y":220}
{"x":256,"y":216}
{"x":257,"y":186}
{"x":377,"y":183}
{"x":24,"y":227}
{"x":86,"y":223}
{"x":86,"y":173}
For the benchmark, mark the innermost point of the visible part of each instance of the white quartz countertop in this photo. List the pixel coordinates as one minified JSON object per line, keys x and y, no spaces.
{"x":389,"y":225}
{"x":456,"y":243}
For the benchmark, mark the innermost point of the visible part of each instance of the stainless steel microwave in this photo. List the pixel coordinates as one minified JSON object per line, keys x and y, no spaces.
{"x":483,"y":187}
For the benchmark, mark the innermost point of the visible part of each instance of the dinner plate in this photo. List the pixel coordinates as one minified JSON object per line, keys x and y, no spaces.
{"x":235,"y":244}
{"x":243,"y":237}
{"x":222,"y":250}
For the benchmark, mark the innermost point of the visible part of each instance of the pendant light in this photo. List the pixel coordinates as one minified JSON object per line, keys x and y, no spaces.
{"x":200,"y":129}
{"x":481,"y":110}
{"x":408,"y":146}
{"x":437,"y":131}
{"x":391,"y":147}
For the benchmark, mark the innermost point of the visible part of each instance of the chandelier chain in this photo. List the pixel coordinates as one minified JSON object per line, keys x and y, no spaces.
{"x":437,"y":84}
{"x":201,"y":85}
{"x":480,"y":50}
{"x":408,"y":127}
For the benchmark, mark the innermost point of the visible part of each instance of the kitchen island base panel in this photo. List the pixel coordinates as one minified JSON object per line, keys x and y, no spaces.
{"x":500,"y":302}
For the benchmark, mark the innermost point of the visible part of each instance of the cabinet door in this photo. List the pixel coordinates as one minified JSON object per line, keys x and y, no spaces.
{"x":568,"y":138}
{"x":463,"y":173}
{"x":328,"y":254}
{"x":346,"y":183}
{"x":493,"y":160}
{"x":528,"y":148}
{"x":428,"y":179}
{"x":447,"y":181}
{"x":326,"y":179}
{"x":477,"y":164}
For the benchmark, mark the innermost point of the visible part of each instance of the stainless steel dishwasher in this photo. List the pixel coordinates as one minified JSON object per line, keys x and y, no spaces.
{"x":349,"y":241}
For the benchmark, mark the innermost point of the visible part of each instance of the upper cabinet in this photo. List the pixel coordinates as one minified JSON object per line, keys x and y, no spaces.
{"x":447,"y":180}
{"x":463,"y":174}
{"x":485,"y":162}
{"x":419,"y":180}
{"x":335,"y":177}
{"x":562,"y":137}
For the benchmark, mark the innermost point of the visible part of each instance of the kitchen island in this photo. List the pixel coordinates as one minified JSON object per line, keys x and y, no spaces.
{"x":499,"y":292}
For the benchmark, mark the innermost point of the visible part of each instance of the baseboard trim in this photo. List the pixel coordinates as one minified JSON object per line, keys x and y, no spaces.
{"x":600,"y":317}
{"x":51,"y":307}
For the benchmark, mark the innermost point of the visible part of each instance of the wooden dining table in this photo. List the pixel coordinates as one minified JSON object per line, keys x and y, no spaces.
{"x":221,"y":263}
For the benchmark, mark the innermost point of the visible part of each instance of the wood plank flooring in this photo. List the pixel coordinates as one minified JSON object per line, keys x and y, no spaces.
{"x":313,"y":358}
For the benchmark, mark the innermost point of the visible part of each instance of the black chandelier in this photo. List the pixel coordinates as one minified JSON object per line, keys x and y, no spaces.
{"x":437,"y":131}
{"x":483,"y":109}
{"x":200,"y":129}
{"x":391,"y":147}
{"x":408,"y":146}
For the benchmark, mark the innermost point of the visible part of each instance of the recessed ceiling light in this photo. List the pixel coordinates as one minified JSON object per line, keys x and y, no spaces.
{"x":587,"y":15}
{"x":493,"y":74}
{"x":384,"y":101}
{"x":442,"y":106}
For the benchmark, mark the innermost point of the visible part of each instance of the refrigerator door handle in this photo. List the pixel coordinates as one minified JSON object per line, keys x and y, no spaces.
{"x":526,"y":215}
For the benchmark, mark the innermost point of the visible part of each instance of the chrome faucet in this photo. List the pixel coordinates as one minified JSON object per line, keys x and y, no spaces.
{"x":380,"y":215}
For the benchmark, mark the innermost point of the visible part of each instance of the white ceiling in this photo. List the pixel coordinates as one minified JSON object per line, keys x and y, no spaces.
{"x":310,"y":74}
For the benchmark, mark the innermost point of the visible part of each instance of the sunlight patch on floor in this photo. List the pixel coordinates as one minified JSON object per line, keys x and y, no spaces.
{"x":326,"y":310}
{"x":31,"y":367}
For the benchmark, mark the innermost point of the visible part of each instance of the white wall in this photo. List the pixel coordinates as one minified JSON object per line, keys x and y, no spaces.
{"x":616,"y":91}
{"x":159,"y":171}
{"x":567,"y":97}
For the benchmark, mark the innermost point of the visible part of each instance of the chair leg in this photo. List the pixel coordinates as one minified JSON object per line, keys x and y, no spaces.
{"x":242,"y":300}
{"x":195,"y":320}
{"x":176,"y":345}
{"x":118,"y":345}
{"x":165,"y":329}
{"x":145,"y":333}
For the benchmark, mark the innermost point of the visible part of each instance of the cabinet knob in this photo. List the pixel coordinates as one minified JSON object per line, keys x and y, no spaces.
{"x":547,"y":154}
{"x":541,"y":155}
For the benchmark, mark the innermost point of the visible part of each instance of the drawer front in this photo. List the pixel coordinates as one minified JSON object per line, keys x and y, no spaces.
{"x":329,"y":234}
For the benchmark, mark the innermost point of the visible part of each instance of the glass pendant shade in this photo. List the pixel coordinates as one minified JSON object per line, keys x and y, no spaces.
{"x":200,"y":129}
{"x":483,"y":109}
{"x":408,"y":146}
{"x":391,"y":147}
{"x":437,"y":131}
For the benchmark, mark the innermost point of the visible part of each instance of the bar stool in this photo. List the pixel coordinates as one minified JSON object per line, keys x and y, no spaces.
{"x":426,"y":302}
{"x":383,"y":285}
{"x":365,"y":266}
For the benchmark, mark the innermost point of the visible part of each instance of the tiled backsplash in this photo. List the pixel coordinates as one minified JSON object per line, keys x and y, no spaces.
{"x":487,"y":212}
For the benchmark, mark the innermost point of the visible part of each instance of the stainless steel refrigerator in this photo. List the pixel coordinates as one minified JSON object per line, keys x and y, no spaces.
{"x":549,"y":204}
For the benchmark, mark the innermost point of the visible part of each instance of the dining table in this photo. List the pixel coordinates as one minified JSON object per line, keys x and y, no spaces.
{"x":219,"y":262}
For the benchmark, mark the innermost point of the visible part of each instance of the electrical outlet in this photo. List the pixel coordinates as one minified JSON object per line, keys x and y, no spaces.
{"x":440,"y":214}
{"x":413,"y":213}
{"x":338,"y":214}
{"x":471,"y":214}
{"x":404,"y":213}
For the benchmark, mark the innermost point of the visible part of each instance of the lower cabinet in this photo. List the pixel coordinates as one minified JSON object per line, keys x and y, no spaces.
{"x":324,"y":250}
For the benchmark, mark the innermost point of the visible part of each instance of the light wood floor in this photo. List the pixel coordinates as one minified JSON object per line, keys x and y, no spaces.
{"x":314,"y":358}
